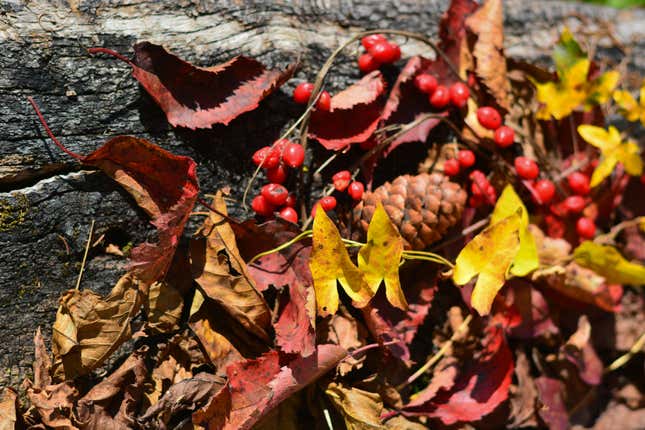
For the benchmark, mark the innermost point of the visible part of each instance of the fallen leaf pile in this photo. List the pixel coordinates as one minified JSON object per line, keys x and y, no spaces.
{"x":523,"y":314}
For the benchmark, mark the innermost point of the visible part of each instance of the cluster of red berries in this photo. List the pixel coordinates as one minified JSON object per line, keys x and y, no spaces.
{"x":379,"y":51}
{"x":342,"y":182}
{"x":302,"y":94}
{"x":276,"y":160}
{"x":464,"y":160}
{"x":481,"y":191}
{"x":489,"y":118}
{"x":441,"y":96}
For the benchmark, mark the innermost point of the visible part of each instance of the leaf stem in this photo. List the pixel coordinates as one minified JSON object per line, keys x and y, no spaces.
{"x":427,"y":256}
{"x":303,"y":235}
{"x":623,"y":359}
{"x":49,"y":132}
{"x":112,"y":53}
{"x":87,"y":250}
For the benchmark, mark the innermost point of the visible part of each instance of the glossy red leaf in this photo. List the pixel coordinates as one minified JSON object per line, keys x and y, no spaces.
{"x":354,"y":114}
{"x":198,"y":97}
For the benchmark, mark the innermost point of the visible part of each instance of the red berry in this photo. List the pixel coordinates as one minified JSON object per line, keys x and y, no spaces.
{"x":459,"y":94}
{"x":324,"y":101}
{"x":261,"y":206}
{"x":440,"y":98}
{"x":451,"y":167}
{"x":294,"y":155}
{"x":526,"y":168}
{"x":491,"y":195}
{"x":479,"y":182}
{"x":385,"y":52}
{"x":586,"y":228}
{"x":355,"y":190}
{"x":397,"y":53}
{"x":368,"y":144}
{"x":368,"y":42}
{"x":574,"y":204}
{"x":279,"y":146}
{"x":466,"y":158}
{"x":579,"y":183}
{"x":555,"y":227}
{"x":476,"y":201}
{"x":545,"y":190}
{"x":269,"y":155}
{"x":366,"y":63}
{"x":289,"y":214}
{"x":341,"y":180}
{"x":327,"y":203}
{"x":278,"y":174}
{"x":275,"y":194}
{"x":425,"y":83}
{"x":302,"y":93}
{"x":291,"y":201}
{"x":489,"y":118}
{"x":504,"y":136}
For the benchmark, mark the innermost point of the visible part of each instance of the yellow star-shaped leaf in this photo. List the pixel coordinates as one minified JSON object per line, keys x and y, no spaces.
{"x":612,"y":150}
{"x":629,"y":107}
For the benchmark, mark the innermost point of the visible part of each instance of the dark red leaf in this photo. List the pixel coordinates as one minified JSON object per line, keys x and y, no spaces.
{"x":531,"y":309}
{"x":164,"y":185}
{"x":552,"y":409}
{"x":198,"y":97}
{"x":354,"y":114}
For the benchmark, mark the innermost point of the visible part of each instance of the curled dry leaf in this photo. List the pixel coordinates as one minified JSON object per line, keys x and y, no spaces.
{"x":523,"y":395}
{"x":9,"y":409}
{"x":88,"y":328}
{"x":114,"y":402}
{"x":580,"y":352}
{"x":487,"y":27}
{"x":360,"y":409}
{"x":345,"y":331}
{"x":354,"y":114}
{"x":198,"y":97}
{"x":54,"y":404}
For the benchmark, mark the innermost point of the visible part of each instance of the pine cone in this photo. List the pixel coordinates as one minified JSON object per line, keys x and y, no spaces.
{"x":423,"y":207}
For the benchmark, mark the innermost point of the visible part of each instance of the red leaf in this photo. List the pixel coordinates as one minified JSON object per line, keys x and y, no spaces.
{"x":294,"y":328}
{"x":478,"y":389}
{"x":531,"y":308}
{"x":258,"y":386}
{"x":198,"y":97}
{"x":164,"y":185}
{"x":354,"y":114}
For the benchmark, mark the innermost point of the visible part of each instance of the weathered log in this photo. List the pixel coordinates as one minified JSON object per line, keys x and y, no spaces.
{"x":47,"y":201}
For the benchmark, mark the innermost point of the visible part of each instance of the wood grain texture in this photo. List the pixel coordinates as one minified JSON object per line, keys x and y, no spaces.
{"x":47,"y":201}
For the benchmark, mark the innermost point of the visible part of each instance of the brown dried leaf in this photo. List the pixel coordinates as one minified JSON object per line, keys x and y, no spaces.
{"x":89,"y":328}
{"x":486,"y":24}
{"x":9,"y":409}
{"x":53,"y":404}
{"x":42,"y":364}
{"x":523,"y":395}
{"x":113,"y":403}
{"x":360,"y":409}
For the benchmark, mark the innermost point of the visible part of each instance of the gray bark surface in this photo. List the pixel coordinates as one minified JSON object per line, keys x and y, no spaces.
{"x":47,"y":201}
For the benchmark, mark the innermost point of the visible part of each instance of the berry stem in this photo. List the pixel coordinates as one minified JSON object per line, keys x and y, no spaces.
{"x":49,"y":132}
{"x":305,"y":234}
{"x":112,"y":53}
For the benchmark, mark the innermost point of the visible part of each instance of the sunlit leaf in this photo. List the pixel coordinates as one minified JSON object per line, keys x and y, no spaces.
{"x":379,"y":259}
{"x":489,"y":255}
{"x":329,"y":263}
{"x":508,"y":204}
{"x":612,"y":150}
{"x":629,"y":107}
{"x":606,"y":261}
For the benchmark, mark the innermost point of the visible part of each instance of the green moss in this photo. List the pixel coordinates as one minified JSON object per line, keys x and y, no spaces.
{"x":127,"y":248}
{"x":13,"y":213}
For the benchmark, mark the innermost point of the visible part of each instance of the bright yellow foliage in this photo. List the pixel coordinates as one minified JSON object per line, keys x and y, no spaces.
{"x":330,"y":263}
{"x":629,"y":107}
{"x":489,"y":255}
{"x":606,"y":261}
{"x":379,"y":259}
{"x":613,"y":150}
{"x":508,"y":204}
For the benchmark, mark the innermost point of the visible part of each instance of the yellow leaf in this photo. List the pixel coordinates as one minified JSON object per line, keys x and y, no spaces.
{"x":330,"y":263}
{"x":612,"y":150}
{"x":600,"y":89}
{"x":629,"y":108}
{"x":489,"y":255}
{"x":379,"y":259}
{"x":606,"y":261}
{"x":508,"y":204}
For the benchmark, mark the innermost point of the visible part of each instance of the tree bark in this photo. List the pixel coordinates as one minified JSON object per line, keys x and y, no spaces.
{"x":47,"y":201}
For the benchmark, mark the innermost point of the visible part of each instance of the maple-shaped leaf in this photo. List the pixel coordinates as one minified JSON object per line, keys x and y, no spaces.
{"x":354,"y":114}
{"x":508,"y":204}
{"x":629,"y":107}
{"x":329,"y":264}
{"x":573,"y":88}
{"x":488,"y":256}
{"x":380,"y":257}
{"x":606,"y":261}
{"x":613,"y":151}
{"x":198,"y":97}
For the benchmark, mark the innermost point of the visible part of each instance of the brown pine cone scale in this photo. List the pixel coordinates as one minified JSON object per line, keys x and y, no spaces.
{"x":423,"y":207}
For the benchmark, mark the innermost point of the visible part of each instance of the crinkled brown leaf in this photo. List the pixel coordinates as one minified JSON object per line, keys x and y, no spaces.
{"x":53,"y":404}
{"x":42,"y":364}
{"x":9,"y":409}
{"x":487,"y":27}
{"x":88,"y":328}
{"x":198,"y":97}
{"x":113,"y":403}
{"x":164,"y":185}
{"x":523,"y":395}
{"x":344,"y":330}
{"x":165,"y":300}
{"x":354,"y":114}
{"x":180,"y":399}
{"x":222,"y":274}
{"x":360,"y":409}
